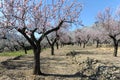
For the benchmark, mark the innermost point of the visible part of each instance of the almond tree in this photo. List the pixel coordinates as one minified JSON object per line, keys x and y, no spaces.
{"x":2,"y":38}
{"x":38,"y":16}
{"x":78,"y":37}
{"x":52,"y":39}
{"x":83,"y":35}
{"x":111,"y":25}
{"x":65,"y":38}
{"x":14,"y":37}
{"x":97,"y":35}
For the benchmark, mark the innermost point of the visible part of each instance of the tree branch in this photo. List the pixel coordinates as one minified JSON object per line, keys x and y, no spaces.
{"x":51,"y":30}
{"x":48,"y":40}
{"x":33,"y":36}
{"x":22,"y":31}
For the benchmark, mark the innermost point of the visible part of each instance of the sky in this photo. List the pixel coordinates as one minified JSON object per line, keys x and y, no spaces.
{"x":92,"y":7}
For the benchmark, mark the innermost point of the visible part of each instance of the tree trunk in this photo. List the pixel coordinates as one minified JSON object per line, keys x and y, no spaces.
{"x":37,"y":70}
{"x":84,"y":45}
{"x":25,"y":50}
{"x":115,"y":50}
{"x":97,"y":44}
{"x":52,"y":50}
{"x":115,"y":45}
{"x":57,"y":45}
{"x":16,"y":49}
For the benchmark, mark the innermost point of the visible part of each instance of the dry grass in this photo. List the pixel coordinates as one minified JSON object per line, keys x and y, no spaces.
{"x":61,"y":66}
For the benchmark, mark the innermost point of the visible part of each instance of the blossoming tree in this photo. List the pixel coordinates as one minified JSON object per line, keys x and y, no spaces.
{"x":111,"y":24}
{"x":38,"y":16}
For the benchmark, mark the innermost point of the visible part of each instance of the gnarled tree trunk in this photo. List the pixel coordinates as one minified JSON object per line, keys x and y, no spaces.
{"x":37,"y":70}
{"x":35,"y":43}
{"x":115,"y":41}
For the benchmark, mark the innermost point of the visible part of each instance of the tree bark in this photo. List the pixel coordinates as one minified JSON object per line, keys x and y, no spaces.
{"x":84,"y":45}
{"x":57,"y":45}
{"x":52,"y":50}
{"x":37,"y":70}
{"x":115,"y":50}
{"x":115,"y":41}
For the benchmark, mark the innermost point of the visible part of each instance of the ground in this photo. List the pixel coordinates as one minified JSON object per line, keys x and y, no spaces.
{"x":68,"y":63}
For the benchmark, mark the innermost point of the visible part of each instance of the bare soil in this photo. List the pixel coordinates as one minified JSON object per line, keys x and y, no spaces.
{"x":58,"y":67}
